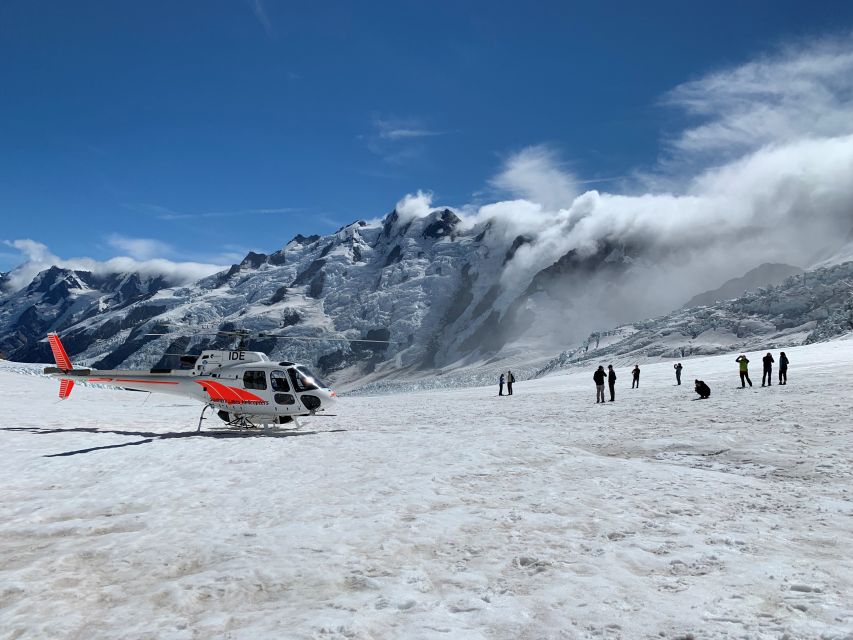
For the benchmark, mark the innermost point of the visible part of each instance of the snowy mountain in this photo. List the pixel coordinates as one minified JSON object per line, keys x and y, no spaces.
{"x":430,"y":285}
{"x":813,"y":307}
{"x":449,"y":294}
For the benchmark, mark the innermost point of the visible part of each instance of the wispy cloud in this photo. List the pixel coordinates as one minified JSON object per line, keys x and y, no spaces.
{"x":401,"y":129}
{"x":260,"y":11}
{"x":398,"y":140}
{"x":164,"y":213}
{"x":796,"y":92}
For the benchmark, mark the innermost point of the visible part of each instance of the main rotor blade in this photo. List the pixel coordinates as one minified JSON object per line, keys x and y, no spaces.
{"x":285,"y":337}
{"x":260,"y":336}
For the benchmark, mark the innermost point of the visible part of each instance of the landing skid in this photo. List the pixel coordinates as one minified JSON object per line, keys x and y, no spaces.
{"x":242,"y":423}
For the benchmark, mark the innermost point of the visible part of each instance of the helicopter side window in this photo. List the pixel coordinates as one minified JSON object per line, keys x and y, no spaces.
{"x":278,"y":381}
{"x":255,"y":380}
{"x":284,"y":398}
{"x":304,"y":380}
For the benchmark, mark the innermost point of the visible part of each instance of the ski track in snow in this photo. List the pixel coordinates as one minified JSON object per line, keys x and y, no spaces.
{"x":445,"y":514}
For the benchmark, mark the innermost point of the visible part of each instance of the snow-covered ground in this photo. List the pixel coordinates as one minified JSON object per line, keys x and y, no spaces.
{"x":443,"y":514}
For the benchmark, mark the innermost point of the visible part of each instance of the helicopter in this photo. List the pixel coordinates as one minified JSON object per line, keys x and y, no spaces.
{"x":246,"y":388}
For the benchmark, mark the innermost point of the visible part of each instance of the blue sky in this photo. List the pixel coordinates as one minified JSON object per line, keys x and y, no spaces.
{"x":200,"y":130}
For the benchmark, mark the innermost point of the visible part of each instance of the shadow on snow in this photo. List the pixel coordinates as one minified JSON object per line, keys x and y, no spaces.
{"x":150,"y":436}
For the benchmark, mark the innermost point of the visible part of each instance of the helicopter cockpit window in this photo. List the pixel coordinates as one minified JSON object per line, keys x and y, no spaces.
{"x":278,"y":381}
{"x":255,"y":380}
{"x":304,"y":380}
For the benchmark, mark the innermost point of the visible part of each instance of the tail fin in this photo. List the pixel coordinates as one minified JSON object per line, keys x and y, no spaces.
{"x":65,"y":387}
{"x":62,"y":359}
{"x":63,"y":362}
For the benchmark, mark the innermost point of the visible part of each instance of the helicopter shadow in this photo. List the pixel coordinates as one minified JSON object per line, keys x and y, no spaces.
{"x":151,"y":436}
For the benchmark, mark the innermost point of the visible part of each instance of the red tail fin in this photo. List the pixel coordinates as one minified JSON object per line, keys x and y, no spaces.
{"x":65,"y":387}
{"x":62,"y":359}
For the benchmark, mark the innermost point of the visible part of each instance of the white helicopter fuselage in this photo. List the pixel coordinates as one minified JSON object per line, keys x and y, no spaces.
{"x":238,"y":384}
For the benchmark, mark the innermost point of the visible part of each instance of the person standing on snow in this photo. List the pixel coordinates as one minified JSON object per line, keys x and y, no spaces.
{"x":611,"y":382}
{"x":501,"y":384}
{"x":783,"y":368}
{"x":509,"y":380}
{"x":768,"y":369}
{"x":598,"y":377}
{"x":635,"y":373}
{"x":678,"y":369}
{"x":744,"y":370}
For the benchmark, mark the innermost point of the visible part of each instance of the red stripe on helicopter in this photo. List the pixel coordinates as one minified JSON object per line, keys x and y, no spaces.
{"x":59,"y":354}
{"x":231,"y":395}
{"x":211,"y":390}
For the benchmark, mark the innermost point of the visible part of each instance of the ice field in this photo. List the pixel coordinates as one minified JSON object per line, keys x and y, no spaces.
{"x":443,"y":514}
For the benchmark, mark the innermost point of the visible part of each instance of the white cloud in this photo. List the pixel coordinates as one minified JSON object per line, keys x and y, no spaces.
{"x":414,"y":206}
{"x":140,"y":248}
{"x":534,"y":173}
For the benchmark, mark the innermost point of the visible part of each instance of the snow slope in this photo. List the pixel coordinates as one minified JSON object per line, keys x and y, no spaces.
{"x":451,"y":514}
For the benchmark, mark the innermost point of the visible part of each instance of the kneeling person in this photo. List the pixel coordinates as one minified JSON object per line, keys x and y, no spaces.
{"x":702,"y":389}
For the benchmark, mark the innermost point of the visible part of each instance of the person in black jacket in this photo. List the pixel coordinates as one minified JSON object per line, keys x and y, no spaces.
{"x":678,"y":369}
{"x":599,"y":377}
{"x":501,"y":384}
{"x":611,"y":382}
{"x":702,"y":389}
{"x":783,"y":368}
{"x":635,"y":373}
{"x":768,"y":369}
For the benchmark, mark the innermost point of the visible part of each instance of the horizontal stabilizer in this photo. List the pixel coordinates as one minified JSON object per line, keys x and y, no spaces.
{"x":73,"y":372}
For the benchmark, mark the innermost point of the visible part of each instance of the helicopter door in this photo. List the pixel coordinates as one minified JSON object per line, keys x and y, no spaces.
{"x":282,"y":393}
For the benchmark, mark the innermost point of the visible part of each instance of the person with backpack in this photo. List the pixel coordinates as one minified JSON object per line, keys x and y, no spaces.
{"x":501,"y":384}
{"x":509,"y":380}
{"x":635,"y":377}
{"x":678,"y":369}
{"x":611,"y":382}
{"x":598,"y":377}
{"x":768,"y":369}
{"x":783,"y":368}
{"x":743,"y":363}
